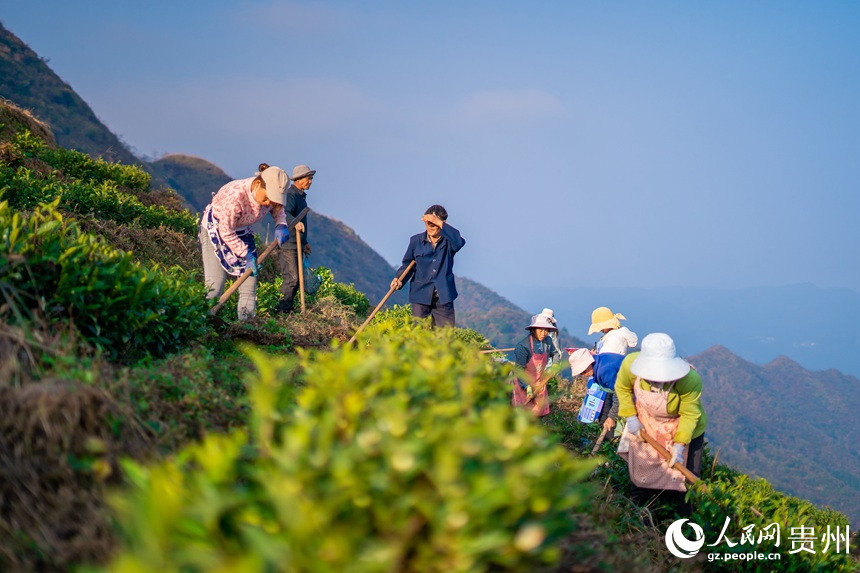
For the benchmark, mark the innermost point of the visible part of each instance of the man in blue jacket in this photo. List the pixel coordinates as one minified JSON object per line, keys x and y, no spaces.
{"x":432,"y":291}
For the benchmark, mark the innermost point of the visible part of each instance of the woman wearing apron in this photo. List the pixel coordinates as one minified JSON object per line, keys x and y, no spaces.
{"x":532,"y":354}
{"x":659,"y":393}
{"x":226,"y":239}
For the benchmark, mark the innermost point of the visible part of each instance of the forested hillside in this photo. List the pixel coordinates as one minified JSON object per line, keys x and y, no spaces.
{"x":797,"y":429}
{"x":193,"y":177}
{"x":501,"y":321}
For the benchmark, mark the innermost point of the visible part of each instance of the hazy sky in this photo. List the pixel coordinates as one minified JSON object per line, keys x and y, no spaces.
{"x":586,"y":144}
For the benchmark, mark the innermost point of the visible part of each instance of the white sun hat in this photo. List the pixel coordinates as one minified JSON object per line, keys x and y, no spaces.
{"x":579,"y":361}
{"x":541,"y":321}
{"x":658,"y":361}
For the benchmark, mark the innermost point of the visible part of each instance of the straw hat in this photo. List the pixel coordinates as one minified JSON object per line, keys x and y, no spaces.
{"x":541,"y":321}
{"x":603,"y":318}
{"x":579,"y":361}
{"x":658,"y":361}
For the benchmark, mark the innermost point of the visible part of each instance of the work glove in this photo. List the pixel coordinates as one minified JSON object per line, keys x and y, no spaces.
{"x":282,"y":234}
{"x":307,"y":249}
{"x":677,"y":454}
{"x":634,"y":425}
{"x":251,"y":263}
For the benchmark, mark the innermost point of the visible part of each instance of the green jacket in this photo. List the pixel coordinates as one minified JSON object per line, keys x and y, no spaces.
{"x":685,"y":400}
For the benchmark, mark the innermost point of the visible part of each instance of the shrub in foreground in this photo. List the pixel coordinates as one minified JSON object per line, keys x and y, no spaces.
{"x":402,"y":456}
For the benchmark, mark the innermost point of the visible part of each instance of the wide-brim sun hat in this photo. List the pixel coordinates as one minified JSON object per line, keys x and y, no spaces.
{"x":579,"y":361}
{"x":602,"y":318}
{"x":658,"y":361}
{"x":276,"y":181}
{"x":302,"y":171}
{"x":540,"y":321}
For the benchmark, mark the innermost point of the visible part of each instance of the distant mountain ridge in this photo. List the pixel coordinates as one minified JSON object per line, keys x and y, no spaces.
{"x":811,"y":325}
{"x":497,"y":318}
{"x":796,"y":428}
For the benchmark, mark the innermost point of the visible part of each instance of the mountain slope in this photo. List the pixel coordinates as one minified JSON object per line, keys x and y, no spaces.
{"x":28,"y":81}
{"x":194,"y":177}
{"x":497,"y":318}
{"x":794,"y":427}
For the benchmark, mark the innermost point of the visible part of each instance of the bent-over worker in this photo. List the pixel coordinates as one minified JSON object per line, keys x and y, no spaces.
{"x":659,"y":393}
{"x":604,"y":369}
{"x":226,"y":239}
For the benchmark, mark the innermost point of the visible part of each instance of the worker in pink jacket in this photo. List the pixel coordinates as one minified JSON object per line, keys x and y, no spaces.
{"x":226,"y":239}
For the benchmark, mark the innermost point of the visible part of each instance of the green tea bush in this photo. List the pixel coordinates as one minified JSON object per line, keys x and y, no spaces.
{"x":397,"y":316}
{"x":404,"y":455}
{"x":754,"y":504}
{"x":25,"y":190}
{"x":347,"y":294}
{"x":87,"y":186}
{"x":80,"y":165}
{"x":269,"y":293}
{"x":48,"y":265}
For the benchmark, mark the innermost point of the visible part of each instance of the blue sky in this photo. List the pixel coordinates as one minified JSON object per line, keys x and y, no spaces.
{"x":580,"y":144}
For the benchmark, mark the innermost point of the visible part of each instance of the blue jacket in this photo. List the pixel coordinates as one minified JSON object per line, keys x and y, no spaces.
{"x":296,"y":201}
{"x":434,"y":268}
{"x":606,"y":368}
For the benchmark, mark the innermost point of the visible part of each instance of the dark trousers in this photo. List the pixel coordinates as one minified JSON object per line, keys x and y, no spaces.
{"x":643,"y":496}
{"x":287,"y":265}
{"x":607,"y":408}
{"x":440,"y":314}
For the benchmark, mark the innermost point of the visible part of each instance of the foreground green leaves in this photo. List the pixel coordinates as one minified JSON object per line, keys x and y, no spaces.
{"x":404,"y":455}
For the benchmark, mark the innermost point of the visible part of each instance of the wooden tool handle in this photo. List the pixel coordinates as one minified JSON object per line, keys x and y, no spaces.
{"x":599,"y":441}
{"x":691,"y":477}
{"x":378,"y":306}
{"x":301,"y":269}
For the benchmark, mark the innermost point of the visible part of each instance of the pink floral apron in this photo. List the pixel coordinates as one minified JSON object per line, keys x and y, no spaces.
{"x":648,"y":468}
{"x":534,"y":369}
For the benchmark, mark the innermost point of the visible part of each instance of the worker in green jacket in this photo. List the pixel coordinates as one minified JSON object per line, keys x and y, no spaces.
{"x":659,"y":393}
